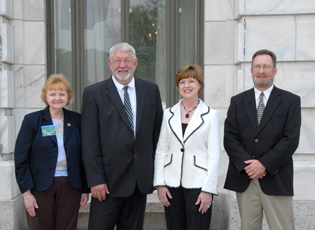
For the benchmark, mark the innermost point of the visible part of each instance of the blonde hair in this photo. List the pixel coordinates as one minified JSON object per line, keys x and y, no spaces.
{"x":190,"y":71}
{"x":57,"y":82}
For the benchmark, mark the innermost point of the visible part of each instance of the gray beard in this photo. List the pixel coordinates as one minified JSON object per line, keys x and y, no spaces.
{"x":266,"y":83}
{"x":123,"y":78}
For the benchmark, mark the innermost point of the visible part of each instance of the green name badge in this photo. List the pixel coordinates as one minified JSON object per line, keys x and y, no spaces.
{"x":48,"y":130}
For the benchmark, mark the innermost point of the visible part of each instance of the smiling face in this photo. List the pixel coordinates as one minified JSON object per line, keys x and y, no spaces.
{"x":188,"y":88}
{"x":57,"y":99}
{"x":123,"y":66}
{"x":263,"y":77}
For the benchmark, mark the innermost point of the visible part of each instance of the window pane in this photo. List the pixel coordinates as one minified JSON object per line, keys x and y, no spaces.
{"x":102,"y":31}
{"x":148,"y":36}
{"x":187,"y":32}
{"x":63,"y":38}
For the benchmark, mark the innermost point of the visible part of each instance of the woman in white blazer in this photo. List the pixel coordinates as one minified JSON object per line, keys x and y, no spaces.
{"x":188,"y":156}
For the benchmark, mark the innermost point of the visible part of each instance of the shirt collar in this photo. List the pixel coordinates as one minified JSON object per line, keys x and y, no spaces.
{"x":120,"y":86}
{"x":267,"y":92}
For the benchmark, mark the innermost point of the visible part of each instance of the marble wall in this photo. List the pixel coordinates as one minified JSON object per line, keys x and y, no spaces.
{"x":22,"y":75}
{"x":238,"y":28}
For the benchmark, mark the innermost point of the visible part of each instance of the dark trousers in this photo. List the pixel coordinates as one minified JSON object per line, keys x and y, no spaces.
{"x":127,"y":213}
{"x":183,"y":212}
{"x":58,"y":207}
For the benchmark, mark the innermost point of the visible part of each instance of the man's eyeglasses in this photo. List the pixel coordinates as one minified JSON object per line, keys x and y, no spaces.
{"x":118,"y":61}
{"x":265,"y":67}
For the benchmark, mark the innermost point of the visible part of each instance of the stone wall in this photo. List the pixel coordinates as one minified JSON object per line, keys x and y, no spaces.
{"x":22,"y":75}
{"x":238,"y":28}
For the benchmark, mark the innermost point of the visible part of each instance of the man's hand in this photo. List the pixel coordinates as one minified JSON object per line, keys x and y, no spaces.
{"x":99,"y":191}
{"x":255,"y":170}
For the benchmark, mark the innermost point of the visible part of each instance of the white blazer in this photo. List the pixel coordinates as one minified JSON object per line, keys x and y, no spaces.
{"x":192,"y":160}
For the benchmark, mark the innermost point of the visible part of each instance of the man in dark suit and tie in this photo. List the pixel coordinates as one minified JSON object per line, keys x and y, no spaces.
{"x":121,"y":120}
{"x":261,"y":134}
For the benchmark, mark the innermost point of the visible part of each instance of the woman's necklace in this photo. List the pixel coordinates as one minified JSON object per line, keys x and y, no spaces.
{"x":188,"y":111}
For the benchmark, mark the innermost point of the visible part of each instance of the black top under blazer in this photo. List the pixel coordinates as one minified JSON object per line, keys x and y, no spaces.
{"x":111,"y":153}
{"x":35,"y":156}
{"x":273,"y":142}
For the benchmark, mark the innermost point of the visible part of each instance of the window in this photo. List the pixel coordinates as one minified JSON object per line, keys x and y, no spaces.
{"x":167,"y":34}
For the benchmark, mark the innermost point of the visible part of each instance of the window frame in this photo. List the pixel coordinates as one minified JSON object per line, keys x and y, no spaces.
{"x":78,"y":52}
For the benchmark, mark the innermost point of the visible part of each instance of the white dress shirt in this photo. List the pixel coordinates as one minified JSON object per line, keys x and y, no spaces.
{"x":132,"y":96}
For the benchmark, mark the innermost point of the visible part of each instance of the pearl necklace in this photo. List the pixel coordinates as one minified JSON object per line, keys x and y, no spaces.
{"x":188,"y":111}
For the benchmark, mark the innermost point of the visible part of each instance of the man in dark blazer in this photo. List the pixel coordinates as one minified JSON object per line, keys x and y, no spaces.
{"x":120,"y":130}
{"x":260,"y":136}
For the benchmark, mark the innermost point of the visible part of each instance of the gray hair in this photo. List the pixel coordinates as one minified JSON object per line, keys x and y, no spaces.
{"x":123,"y":47}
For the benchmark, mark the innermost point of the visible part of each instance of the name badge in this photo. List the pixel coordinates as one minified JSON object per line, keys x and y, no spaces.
{"x":48,"y":130}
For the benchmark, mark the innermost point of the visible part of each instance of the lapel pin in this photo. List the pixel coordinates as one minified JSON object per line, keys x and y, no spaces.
{"x":69,"y":124}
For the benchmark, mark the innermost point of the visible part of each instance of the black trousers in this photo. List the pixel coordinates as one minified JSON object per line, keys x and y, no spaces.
{"x":183,"y":212}
{"x":58,"y":207}
{"x":127,"y":213}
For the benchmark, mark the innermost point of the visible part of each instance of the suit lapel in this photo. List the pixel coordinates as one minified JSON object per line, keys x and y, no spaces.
{"x":68,"y":125}
{"x":250,"y":107}
{"x":47,"y":121}
{"x":175,"y":123}
{"x":140,"y":94}
{"x":112,"y":93}
{"x":196,"y":120}
{"x":272,"y":104}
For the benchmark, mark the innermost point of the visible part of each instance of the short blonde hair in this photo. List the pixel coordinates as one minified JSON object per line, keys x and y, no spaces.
{"x":57,"y":82}
{"x":190,"y":71}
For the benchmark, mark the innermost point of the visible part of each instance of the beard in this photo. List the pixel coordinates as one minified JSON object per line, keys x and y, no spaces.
{"x":265,"y":83}
{"x":116,"y":73}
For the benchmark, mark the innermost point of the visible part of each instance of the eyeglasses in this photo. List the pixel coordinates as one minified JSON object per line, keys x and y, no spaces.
{"x":265,"y":67}
{"x":118,"y":61}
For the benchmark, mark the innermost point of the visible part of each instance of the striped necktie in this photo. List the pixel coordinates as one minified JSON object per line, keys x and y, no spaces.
{"x":128,"y":106}
{"x":260,"y":108}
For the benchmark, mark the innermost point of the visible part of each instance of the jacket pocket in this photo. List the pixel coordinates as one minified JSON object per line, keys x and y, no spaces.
{"x":200,"y":164}
{"x":105,"y":160}
{"x":168,"y":160}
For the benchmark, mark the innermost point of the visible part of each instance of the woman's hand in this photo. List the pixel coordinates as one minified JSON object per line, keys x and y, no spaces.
{"x":84,"y":199}
{"x":163,"y":193}
{"x":30,"y":203}
{"x":205,"y":201}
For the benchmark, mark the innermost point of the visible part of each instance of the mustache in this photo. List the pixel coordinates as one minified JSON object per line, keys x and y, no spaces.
{"x":123,"y":69}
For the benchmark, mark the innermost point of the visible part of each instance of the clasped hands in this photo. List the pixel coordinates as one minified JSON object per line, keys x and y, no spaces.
{"x":254,"y":169}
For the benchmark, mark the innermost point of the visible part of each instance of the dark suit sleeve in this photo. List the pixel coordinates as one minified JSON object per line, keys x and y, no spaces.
{"x":21,"y":155}
{"x":232,"y":142}
{"x":284,"y":149}
{"x":158,"y":118}
{"x":91,"y":146}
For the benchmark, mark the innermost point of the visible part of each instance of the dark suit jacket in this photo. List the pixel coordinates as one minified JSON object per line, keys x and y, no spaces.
{"x":111,"y":155}
{"x":35,"y":156}
{"x":273,"y":142}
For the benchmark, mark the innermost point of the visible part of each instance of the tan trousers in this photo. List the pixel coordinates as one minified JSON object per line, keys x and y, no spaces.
{"x":253,"y":202}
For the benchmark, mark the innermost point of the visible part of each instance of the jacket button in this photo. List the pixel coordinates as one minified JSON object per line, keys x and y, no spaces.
{"x":254,"y":157}
{"x":55,"y":148}
{"x":69,"y":168}
{"x":68,"y":158}
{"x":66,"y":147}
{"x":256,"y":140}
{"x":182,"y":149}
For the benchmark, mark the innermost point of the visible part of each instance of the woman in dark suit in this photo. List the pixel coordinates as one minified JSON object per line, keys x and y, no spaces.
{"x":187,"y":157}
{"x":48,"y":165}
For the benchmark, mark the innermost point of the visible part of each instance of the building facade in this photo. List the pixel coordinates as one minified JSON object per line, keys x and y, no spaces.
{"x":232,"y":30}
